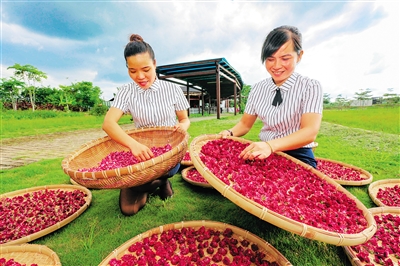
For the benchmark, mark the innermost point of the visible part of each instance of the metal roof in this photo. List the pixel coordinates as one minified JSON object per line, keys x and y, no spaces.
{"x":205,"y":74}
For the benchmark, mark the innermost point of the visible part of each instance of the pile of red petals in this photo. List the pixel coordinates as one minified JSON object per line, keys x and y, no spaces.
{"x":187,"y":158}
{"x":119,"y":159}
{"x":12,"y":262}
{"x":390,"y":196}
{"x":189,"y":246}
{"x":384,"y":246}
{"x":338,"y":171}
{"x":284,"y":187}
{"x":195,"y":176}
{"x":24,"y":215}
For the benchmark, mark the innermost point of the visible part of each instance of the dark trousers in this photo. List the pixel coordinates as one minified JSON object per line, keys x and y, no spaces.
{"x":305,"y":155}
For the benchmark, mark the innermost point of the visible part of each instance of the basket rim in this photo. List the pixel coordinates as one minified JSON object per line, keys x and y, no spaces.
{"x":351,"y":254}
{"x":32,"y":248}
{"x":374,"y":187}
{"x":279,"y":220}
{"x":53,"y":227}
{"x":267,"y":247}
{"x":122,"y":170}
{"x":365,"y":181}
{"x":184,"y":177}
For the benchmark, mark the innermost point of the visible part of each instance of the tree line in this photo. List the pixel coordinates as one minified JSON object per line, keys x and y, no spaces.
{"x":21,"y":92}
{"x":389,"y":98}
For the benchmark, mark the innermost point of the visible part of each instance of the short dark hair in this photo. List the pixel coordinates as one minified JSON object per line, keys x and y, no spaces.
{"x":276,"y":38}
{"x":137,"y":45}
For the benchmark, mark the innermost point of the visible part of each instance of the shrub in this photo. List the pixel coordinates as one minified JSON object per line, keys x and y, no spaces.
{"x":99,"y":110}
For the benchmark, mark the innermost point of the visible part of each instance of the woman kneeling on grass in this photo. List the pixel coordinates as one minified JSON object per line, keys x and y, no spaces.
{"x":151,"y":102}
{"x":289,"y":105}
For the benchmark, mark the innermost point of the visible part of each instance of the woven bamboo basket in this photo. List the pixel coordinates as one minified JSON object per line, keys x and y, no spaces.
{"x":365,"y":175}
{"x":186,"y":162}
{"x":56,"y":226}
{"x":195,"y":183}
{"x":272,"y":254}
{"x":374,"y":187}
{"x":30,"y":254}
{"x":352,"y":255}
{"x":277,"y":219}
{"x":90,"y":154}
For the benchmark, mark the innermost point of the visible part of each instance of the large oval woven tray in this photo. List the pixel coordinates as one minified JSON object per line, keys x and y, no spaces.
{"x":193,"y":182}
{"x":271,"y":254}
{"x":275,"y":218}
{"x":90,"y":155}
{"x":53,"y":227}
{"x":29,"y":254}
{"x":364,"y":175}
{"x":352,"y":255}
{"x":374,"y":187}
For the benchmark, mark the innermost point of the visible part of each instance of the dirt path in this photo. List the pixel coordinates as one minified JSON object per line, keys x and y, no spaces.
{"x":25,"y":150}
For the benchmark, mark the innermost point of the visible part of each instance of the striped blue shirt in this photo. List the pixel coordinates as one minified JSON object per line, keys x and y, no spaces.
{"x":300,"y":95}
{"x":155,"y":106}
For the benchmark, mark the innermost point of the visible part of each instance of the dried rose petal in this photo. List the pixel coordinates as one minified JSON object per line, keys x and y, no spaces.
{"x":119,"y":159}
{"x":338,"y":171}
{"x":284,"y":187}
{"x":32,"y":212}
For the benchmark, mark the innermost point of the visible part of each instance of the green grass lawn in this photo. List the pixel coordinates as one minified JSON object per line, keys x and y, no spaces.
{"x":102,"y":228}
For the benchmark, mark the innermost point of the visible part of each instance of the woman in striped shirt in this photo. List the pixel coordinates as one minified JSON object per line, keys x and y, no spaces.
{"x":151,"y":102}
{"x":289,"y":105}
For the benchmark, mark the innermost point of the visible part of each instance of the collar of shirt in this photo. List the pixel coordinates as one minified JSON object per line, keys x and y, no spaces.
{"x":289,"y":83}
{"x":153,"y":88}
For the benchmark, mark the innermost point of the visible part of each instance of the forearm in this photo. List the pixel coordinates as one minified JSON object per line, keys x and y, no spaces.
{"x":243,"y":126}
{"x":239,"y":130}
{"x":294,"y":141}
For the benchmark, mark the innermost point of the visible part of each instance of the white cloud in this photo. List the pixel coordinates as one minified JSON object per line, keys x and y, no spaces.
{"x":18,"y":35}
{"x":349,"y":63}
{"x":188,"y":31}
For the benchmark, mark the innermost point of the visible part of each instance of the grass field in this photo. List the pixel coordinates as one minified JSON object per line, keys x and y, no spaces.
{"x":102,"y":228}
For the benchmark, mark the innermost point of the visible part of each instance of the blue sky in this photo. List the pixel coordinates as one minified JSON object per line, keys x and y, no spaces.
{"x":349,"y":46}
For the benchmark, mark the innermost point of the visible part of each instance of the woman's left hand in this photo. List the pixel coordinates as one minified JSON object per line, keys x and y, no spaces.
{"x":181,"y":126}
{"x":256,"y":150}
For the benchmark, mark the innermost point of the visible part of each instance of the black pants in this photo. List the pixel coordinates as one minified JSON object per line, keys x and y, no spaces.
{"x":305,"y":155}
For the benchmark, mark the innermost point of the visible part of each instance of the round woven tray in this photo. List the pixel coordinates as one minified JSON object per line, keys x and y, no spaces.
{"x":186,"y":162}
{"x":90,"y":154}
{"x":352,"y":255}
{"x":375,"y":186}
{"x":274,"y":218}
{"x":272,"y":254}
{"x":365,"y":175}
{"x":30,"y":254}
{"x":56,"y":226}
{"x":195,"y":183}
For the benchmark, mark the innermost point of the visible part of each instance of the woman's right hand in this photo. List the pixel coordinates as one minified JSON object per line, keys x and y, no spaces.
{"x":141,"y":152}
{"x":225,"y":133}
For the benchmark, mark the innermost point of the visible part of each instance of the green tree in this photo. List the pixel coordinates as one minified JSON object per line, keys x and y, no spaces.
{"x":86,"y":95}
{"x":244,"y":95}
{"x":66,"y":97}
{"x":47,"y":95}
{"x":10,"y":89}
{"x":390,"y":97}
{"x":327,"y":98}
{"x":341,"y":101}
{"x":363,"y":95}
{"x":30,"y":75}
